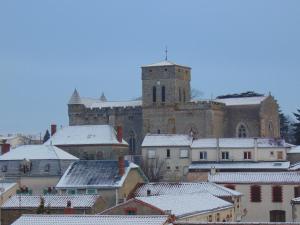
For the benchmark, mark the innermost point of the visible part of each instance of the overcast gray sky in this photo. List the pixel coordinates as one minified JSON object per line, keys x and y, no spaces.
{"x":50,"y":47}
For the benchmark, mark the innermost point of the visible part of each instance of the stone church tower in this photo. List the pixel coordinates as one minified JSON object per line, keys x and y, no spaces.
{"x":167,"y":107}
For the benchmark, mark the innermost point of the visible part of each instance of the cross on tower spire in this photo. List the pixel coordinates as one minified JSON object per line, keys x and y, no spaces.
{"x":166,"y":51}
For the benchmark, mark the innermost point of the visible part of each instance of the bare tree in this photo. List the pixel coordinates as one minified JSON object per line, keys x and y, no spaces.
{"x":195,"y":93}
{"x":153,"y":168}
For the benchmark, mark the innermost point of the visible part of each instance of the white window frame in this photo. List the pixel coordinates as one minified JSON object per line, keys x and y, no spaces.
{"x":204,"y":154}
{"x":225,"y":153}
{"x":248,"y":155}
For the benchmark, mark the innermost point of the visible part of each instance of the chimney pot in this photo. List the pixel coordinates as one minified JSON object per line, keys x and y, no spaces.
{"x":119,"y":134}
{"x":53,"y":129}
{"x":5,"y":148}
{"x":121,"y":165}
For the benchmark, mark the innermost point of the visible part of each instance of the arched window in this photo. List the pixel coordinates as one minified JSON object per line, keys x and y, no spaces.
{"x":163,"y":93}
{"x":132,"y":143}
{"x":242,"y":131}
{"x":179,"y":93}
{"x":271,"y":129}
{"x":154,"y":94}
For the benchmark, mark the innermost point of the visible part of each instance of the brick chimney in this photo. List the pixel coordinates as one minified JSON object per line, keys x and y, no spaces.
{"x":69,"y":209}
{"x":121,"y":165}
{"x":5,"y":147}
{"x":53,"y":129}
{"x":119,"y":134}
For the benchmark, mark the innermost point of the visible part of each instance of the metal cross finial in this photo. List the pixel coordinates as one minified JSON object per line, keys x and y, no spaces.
{"x":166,"y":51}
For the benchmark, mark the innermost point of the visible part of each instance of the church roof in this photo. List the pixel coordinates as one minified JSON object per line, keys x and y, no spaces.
{"x":75,"y":98}
{"x":164,"y":63}
{"x":85,"y":135}
{"x":37,"y":152}
{"x":242,"y":101}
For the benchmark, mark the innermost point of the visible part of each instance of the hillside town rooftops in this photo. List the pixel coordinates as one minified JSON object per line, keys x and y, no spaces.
{"x":95,"y":174}
{"x":85,"y":135}
{"x":186,"y":204}
{"x":53,"y":201}
{"x":91,"y":220}
{"x":242,"y":101}
{"x":241,"y":165}
{"x":256,"y":177}
{"x":169,"y":188}
{"x":156,"y":140}
{"x":37,"y":152}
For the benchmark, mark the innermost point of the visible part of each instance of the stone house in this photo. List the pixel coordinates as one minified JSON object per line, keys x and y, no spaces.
{"x":194,"y":207}
{"x":178,"y":188}
{"x":92,"y":220}
{"x":166,"y":106}
{"x":166,"y":156}
{"x":18,"y":205}
{"x":266,"y":195}
{"x":111,"y":179}
{"x":90,"y":141}
{"x":35,"y":168}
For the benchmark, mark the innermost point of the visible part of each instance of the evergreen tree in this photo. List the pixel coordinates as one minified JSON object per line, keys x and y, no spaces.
{"x":41,"y":208}
{"x":284,"y":126}
{"x":296,"y":126}
{"x":46,"y":136}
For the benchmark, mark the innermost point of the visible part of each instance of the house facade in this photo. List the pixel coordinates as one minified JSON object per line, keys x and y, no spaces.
{"x":266,"y":195}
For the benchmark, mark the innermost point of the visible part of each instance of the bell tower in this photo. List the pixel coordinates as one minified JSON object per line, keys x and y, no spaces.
{"x":165,"y":83}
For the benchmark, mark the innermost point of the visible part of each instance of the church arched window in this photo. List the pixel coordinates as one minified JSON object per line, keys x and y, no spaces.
{"x":163,"y":93}
{"x":154,"y":94}
{"x":271,"y":129}
{"x":242,"y":131}
{"x":132,"y":143}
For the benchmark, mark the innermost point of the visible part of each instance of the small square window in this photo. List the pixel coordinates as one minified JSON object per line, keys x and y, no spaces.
{"x":168,"y":167}
{"x":247,"y":155}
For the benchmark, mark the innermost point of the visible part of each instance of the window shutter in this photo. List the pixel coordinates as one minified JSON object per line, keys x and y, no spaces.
{"x":255,"y":193}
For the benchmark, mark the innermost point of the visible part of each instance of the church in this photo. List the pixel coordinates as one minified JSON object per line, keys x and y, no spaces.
{"x":166,"y":107}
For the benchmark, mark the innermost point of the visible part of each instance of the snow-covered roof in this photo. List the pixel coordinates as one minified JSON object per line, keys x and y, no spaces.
{"x":296,"y":200}
{"x":91,"y":220}
{"x":54,"y":201}
{"x":294,"y":150}
{"x":238,"y":143}
{"x":5,"y":187}
{"x":37,"y":152}
{"x":169,"y":188}
{"x":85,"y":135}
{"x":241,"y":165}
{"x":295,"y":166}
{"x":256,"y":177}
{"x":164,"y":63}
{"x":242,"y":101}
{"x":186,"y":204}
{"x":94,"y":174}
{"x":157,"y":140}
{"x":95,"y":103}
